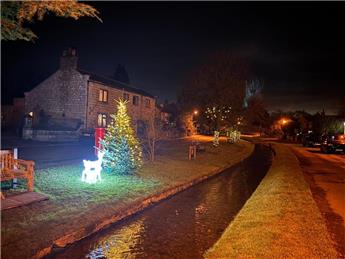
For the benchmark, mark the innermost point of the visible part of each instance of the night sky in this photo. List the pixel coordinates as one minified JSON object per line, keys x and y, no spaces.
{"x":297,"y":49}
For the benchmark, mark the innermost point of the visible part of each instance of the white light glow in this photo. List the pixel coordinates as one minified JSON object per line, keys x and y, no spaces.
{"x":92,"y":169}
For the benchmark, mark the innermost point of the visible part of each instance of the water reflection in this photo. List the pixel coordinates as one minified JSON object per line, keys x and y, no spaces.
{"x":120,"y":243}
{"x":184,"y":226}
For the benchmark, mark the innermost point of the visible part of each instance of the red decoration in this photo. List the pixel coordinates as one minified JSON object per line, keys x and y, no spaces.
{"x":99,"y":134}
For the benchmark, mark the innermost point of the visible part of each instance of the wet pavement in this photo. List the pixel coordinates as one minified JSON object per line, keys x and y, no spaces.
{"x":325,"y":174}
{"x":184,"y":226}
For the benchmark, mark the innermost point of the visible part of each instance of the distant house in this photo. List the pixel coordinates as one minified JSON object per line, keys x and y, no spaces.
{"x":78,"y":97}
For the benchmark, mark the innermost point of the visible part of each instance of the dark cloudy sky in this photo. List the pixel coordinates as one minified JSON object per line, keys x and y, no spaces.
{"x":298,"y":49}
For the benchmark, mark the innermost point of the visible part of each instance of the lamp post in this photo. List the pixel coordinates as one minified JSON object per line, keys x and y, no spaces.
{"x":195,"y":113}
{"x":283,"y":123}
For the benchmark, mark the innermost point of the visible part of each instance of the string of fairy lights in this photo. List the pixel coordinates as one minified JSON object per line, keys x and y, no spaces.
{"x":121,"y":147}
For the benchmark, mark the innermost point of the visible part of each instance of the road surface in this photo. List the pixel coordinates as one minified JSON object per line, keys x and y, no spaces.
{"x":326,"y":175}
{"x":46,"y":154}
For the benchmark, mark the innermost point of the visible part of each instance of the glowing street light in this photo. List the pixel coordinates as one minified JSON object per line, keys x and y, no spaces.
{"x":195,"y":112}
{"x":284,"y":121}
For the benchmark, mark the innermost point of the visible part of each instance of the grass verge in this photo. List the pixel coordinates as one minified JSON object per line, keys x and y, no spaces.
{"x":280,"y":220}
{"x":74,"y":204}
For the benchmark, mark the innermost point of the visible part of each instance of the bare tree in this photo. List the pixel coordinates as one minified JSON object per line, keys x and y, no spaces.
{"x":256,"y":114}
{"x":151,"y":134}
{"x":217,"y":86}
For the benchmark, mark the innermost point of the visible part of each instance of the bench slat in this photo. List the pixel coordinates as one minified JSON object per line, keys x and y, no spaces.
{"x":16,"y":168}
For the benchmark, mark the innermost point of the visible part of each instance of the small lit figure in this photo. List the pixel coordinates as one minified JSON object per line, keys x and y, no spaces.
{"x":216,"y":138}
{"x":92,"y":169}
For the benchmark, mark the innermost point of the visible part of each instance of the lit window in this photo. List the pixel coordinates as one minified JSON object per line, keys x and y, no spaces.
{"x":103,"y":95}
{"x":147,"y":103}
{"x":102,"y":120}
{"x":135,"y":100}
{"x":126,"y":96}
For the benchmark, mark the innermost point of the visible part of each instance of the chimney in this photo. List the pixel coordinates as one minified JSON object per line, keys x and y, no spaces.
{"x":69,"y":59}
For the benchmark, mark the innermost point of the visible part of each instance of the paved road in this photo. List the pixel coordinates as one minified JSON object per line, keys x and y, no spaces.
{"x":50,"y":154}
{"x":326,"y":176}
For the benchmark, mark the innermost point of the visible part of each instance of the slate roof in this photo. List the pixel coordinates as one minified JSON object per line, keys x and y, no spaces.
{"x":114,"y":83}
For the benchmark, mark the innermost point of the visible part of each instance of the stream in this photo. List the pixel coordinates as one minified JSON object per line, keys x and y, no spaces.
{"x":183,"y":226}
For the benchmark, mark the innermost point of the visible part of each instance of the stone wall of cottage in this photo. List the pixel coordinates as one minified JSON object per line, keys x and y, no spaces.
{"x":62,"y":95}
{"x":95,"y":107}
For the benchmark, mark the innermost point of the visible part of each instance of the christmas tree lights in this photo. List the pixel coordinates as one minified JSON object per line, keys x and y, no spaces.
{"x":122,"y":150}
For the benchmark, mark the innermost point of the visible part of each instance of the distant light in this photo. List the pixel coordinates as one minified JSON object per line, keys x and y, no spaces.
{"x":284,"y":121}
{"x":31,"y":114}
{"x":196,"y":112}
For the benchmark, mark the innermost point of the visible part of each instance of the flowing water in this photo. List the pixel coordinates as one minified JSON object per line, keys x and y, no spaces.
{"x":183,"y":226}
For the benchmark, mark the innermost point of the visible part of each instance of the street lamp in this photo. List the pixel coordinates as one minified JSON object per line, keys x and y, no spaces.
{"x":283,"y":122}
{"x":194,"y":115}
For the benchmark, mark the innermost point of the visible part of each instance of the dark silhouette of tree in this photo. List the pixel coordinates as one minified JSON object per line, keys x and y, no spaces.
{"x":217,"y":89}
{"x":172,"y":109}
{"x":341,"y":112}
{"x":256,"y":115}
{"x":121,"y":74}
{"x":253,"y":88}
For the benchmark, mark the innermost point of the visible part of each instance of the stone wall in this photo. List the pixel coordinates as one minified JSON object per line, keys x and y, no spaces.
{"x":50,"y":135}
{"x":94,"y":106}
{"x":62,"y":95}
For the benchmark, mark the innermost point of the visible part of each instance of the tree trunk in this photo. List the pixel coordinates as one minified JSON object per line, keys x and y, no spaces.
{"x":153,"y":151}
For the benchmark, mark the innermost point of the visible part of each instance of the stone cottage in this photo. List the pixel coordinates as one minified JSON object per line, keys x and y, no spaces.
{"x":72,"y":96}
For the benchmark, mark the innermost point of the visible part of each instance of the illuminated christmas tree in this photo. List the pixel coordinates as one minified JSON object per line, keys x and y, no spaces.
{"x":122,"y":150}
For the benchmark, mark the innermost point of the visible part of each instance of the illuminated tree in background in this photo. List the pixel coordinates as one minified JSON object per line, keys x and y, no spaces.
{"x":217,"y":89}
{"x":122,"y":149}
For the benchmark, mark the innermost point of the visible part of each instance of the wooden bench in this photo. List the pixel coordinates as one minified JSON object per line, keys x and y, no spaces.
{"x":16,"y":168}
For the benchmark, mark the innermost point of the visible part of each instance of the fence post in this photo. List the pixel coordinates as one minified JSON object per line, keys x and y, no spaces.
{"x":15,"y":156}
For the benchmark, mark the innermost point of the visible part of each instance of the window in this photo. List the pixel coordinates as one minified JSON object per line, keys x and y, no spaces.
{"x":135,"y":100}
{"x":141,"y":128}
{"x":102,"y":120}
{"x":147,"y":103}
{"x":125,"y":96}
{"x":103,"y":95}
